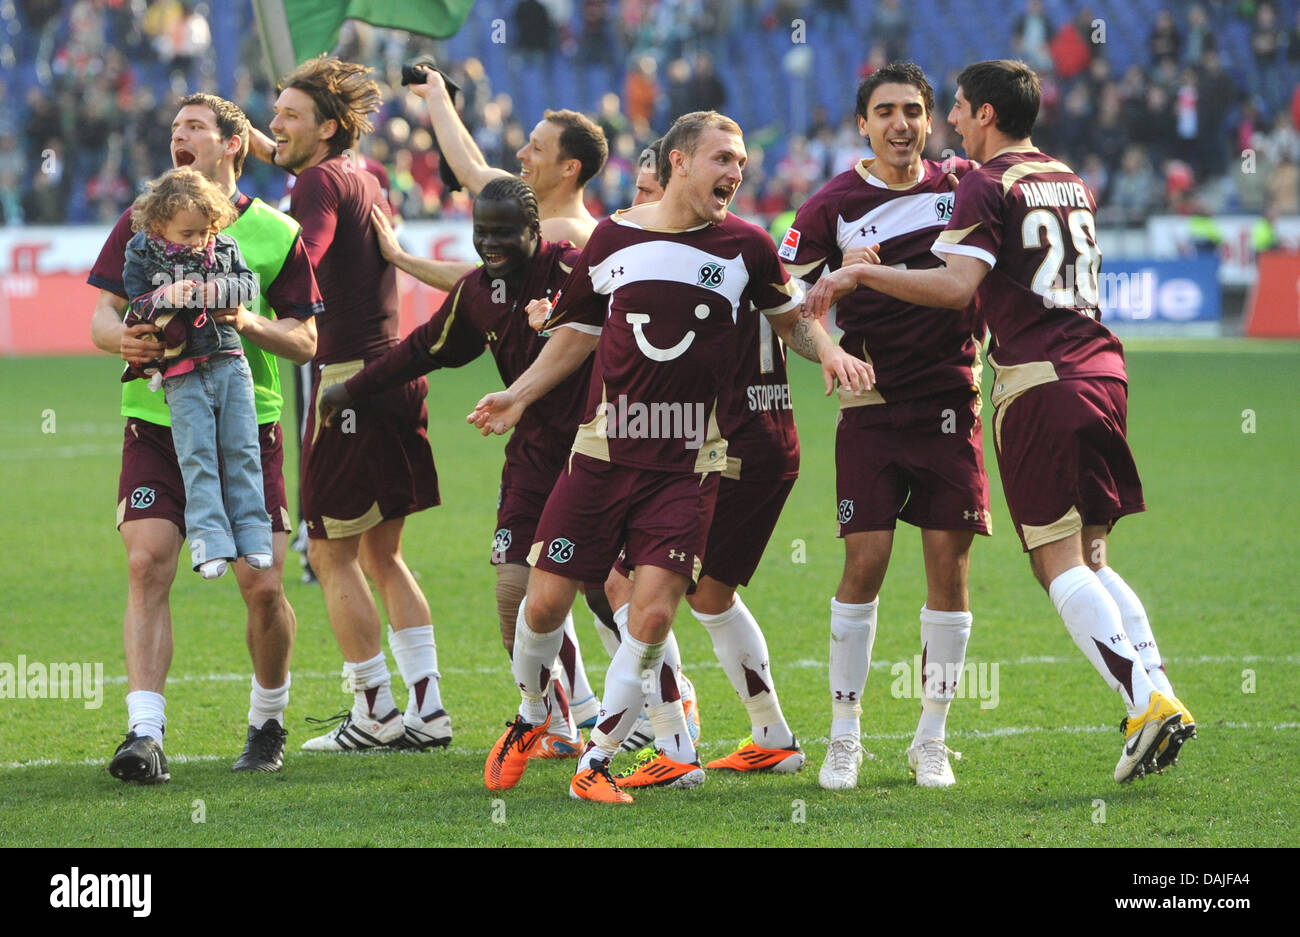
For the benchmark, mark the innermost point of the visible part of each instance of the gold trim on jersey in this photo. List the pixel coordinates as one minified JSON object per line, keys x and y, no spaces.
{"x":535,"y":553}
{"x":800,"y":270}
{"x":592,"y":438}
{"x":337,"y":528}
{"x":563,"y":266}
{"x":121,"y":512}
{"x":956,"y":235}
{"x":976,"y":379}
{"x":618,"y":218}
{"x":1020,"y":170}
{"x":872,"y":397}
{"x":1067,"y":525}
{"x":789,"y":288}
{"x":863,"y":166}
{"x":713,"y":454}
{"x":1009,"y":383}
{"x":732,"y":470}
{"x":446,"y":326}
{"x":331,"y":374}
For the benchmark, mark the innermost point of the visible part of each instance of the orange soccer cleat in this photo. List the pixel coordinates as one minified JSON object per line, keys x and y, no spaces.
{"x":752,"y":757}
{"x":597,"y":784}
{"x":509,"y":757}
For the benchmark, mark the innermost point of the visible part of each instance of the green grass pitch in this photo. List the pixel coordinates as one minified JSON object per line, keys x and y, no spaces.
{"x":1214,"y":559}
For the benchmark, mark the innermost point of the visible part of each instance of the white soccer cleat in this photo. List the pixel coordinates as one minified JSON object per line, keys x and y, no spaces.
{"x":357,"y":731}
{"x":420,"y":734}
{"x":840,"y":770}
{"x":929,"y":762}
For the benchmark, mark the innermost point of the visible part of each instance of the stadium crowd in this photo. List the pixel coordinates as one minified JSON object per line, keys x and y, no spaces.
{"x":87,"y":87}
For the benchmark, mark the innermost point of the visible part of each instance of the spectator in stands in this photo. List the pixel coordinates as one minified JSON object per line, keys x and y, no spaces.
{"x":710,"y":94}
{"x":1134,"y":191}
{"x":890,"y":24}
{"x":596,"y":47}
{"x":1165,"y":41}
{"x":46,"y":201}
{"x":534,"y":31}
{"x":641,"y":91}
{"x":1266,"y":45}
{"x":1283,"y":185}
{"x":11,"y":199}
{"x":1200,"y":35}
{"x":1071,"y":47}
{"x":1154,"y":124}
{"x":1215,"y":97}
{"x":1034,"y":31}
{"x":1096,"y":177}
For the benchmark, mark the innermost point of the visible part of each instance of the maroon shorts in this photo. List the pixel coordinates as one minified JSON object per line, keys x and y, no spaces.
{"x":1064,"y":456}
{"x":371,"y":468}
{"x":920,"y":461}
{"x":519,"y":507}
{"x":743,"y":521}
{"x":597,"y":508}
{"x":150,"y":484}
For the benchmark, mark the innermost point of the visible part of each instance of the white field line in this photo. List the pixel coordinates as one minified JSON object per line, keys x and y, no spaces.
{"x":710,"y":744}
{"x":803,"y":664}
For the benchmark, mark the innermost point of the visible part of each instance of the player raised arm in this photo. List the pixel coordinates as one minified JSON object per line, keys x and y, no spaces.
{"x":808,"y":339}
{"x":458,"y":147}
{"x":564,"y":353}
{"x":440,"y":274}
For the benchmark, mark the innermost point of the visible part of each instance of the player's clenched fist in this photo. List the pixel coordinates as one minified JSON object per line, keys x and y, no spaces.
{"x":539,"y":310}
{"x":838,"y":366}
{"x":496,"y":413}
{"x":333,"y":401}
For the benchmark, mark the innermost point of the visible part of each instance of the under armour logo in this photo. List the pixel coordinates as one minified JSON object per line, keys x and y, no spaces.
{"x":973,"y":515}
{"x":862,"y":231}
{"x":491,"y":336}
{"x":616,"y":272}
{"x":679,"y":555}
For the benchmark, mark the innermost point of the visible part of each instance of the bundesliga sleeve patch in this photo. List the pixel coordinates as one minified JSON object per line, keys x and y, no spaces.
{"x":789,"y":245}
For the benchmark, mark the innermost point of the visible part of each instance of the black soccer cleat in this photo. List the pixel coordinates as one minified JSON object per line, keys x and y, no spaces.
{"x":139,"y":760}
{"x":264,"y":749}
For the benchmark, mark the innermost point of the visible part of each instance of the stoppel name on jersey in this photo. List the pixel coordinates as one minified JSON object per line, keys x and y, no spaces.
{"x":768,"y":397}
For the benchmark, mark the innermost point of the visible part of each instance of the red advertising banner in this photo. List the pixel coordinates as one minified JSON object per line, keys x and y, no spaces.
{"x":1274,"y":308}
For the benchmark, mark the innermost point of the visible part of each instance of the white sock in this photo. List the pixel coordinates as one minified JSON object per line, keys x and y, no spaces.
{"x":416,"y":654}
{"x":607,"y":631}
{"x":145,"y":714}
{"x":853,"y":633}
{"x":739,"y":645}
{"x":667,"y":715}
{"x":1137,"y":627}
{"x":531,"y":663}
{"x":581,"y":695}
{"x":1093,"y":620}
{"x":561,"y":710}
{"x":943,"y":652}
{"x":372,"y":684}
{"x":625,"y":697}
{"x":264,"y":704}
{"x":672,"y":652}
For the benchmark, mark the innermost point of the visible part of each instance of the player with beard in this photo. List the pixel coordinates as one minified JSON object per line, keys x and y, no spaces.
{"x":486,"y":310}
{"x":211,"y":135}
{"x":658,"y":293}
{"x":1023,"y":238}
{"x":359,"y":482}
{"x":912,"y":449}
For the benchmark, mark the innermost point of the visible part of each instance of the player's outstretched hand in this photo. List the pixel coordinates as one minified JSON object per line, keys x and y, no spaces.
{"x":861,"y":255}
{"x":433,"y":85}
{"x":139,"y":344}
{"x":539,"y":310}
{"x":496,"y":413}
{"x":840,"y":367}
{"x":388,"y":245}
{"x":333,"y":401}
{"x":827,"y":291}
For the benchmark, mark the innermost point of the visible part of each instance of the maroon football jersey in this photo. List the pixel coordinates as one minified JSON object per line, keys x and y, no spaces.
{"x":669,"y":307}
{"x":1033,"y":221}
{"x":332,"y":202}
{"x":916,"y":350}
{"x":475,"y":316}
{"x":756,"y":415}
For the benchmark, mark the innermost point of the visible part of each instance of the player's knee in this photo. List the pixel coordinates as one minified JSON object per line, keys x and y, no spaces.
{"x":149,"y":567}
{"x":263,"y":595}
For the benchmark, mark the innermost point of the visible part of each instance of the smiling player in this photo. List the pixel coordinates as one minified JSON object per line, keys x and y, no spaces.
{"x":486,"y":309}
{"x":912,"y":449}
{"x":658,"y":293}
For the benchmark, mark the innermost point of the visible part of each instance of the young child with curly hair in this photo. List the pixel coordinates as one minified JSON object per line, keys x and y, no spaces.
{"x":179,"y":271}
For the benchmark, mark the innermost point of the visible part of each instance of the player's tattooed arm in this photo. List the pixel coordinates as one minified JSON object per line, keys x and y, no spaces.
{"x":808,"y":339}
{"x":440,"y":274}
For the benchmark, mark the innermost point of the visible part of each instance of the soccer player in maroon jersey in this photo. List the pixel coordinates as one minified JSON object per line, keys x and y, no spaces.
{"x":658,"y":294}
{"x":762,"y":464}
{"x":359,"y":480}
{"x":486,"y":310}
{"x":912,"y":449}
{"x":1023,"y":236}
{"x":211,"y":135}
